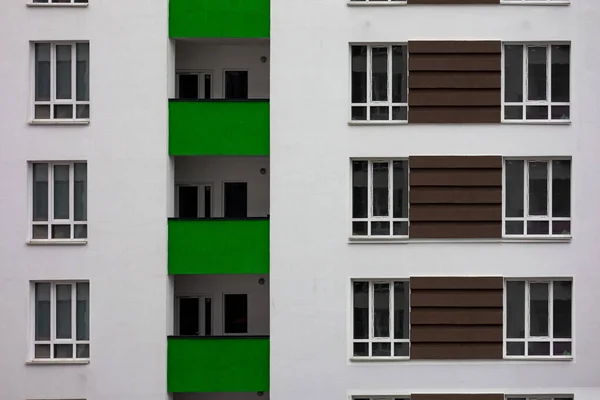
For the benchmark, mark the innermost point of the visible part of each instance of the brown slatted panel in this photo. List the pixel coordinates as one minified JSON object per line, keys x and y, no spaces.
{"x":455,"y":197}
{"x":453,"y":2}
{"x":457,"y":396}
{"x":456,"y":317}
{"x":454,"y":81}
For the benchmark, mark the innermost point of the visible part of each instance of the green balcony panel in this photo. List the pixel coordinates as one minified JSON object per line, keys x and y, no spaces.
{"x":219,"y":128}
{"x":218,"y":364}
{"x":219,"y":19}
{"x":219,"y":246}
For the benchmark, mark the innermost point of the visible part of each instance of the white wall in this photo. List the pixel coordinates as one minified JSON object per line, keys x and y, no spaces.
{"x":311,"y":143}
{"x":220,"y":55}
{"x":220,"y":396}
{"x":216,"y":286}
{"x":216,"y":170}
{"x":126,"y":148}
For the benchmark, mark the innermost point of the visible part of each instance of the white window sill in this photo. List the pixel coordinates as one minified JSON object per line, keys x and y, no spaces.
{"x":68,"y":5}
{"x":538,"y":122}
{"x":54,"y":242}
{"x":363,"y":3}
{"x":358,"y":123}
{"x":523,"y":358}
{"x":406,"y":240}
{"x":59,"y":122}
{"x":537,"y":3}
{"x":378,"y":359}
{"x":83,"y":361}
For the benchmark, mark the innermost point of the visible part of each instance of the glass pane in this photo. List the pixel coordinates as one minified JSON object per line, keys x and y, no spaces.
{"x":400,"y":229}
{"x":514,"y":228}
{"x":83,"y":351}
{"x":515,"y":309}
{"x":538,"y":227}
{"x":538,"y":309}
{"x":381,"y":312}
{"x":81,"y":232}
{"x":536,"y":73}
{"x":61,"y":192}
{"x":560,"y":72}
{"x":401,"y":349}
{"x":514,"y":188}
{"x":40,"y":232}
{"x":359,"y":74}
{"x":63,"y":312}
{"x":382,"y":349}
{"x":561,"y":188}
{"x":401,"y":310}
{"x":562,"y":349}
{"x":562,"y":309}
{"x":40,"y":192}
{"x":379,"y":74}
{"x":560,"y":112}
{"x":359,"y":113}
{"x":399,"y":113}
{"x":537,"y":112}
{"x":63,"y":72}
{"x":538,"y":188}
{"x":380,"y":228}
{"x":42,"y":112}
{"x":83,"y":111}
{"x":513,"y":74}
{"x":400,"y":206}
{"x":63,"y":112}
{"x":42,"y":351}
{"x":83,"y":311}
{"x":513,"y":112}
{"x":360,"y":292}
{"x":63,"y":351}
{"x":399,"y":74}
{"x":380,"y":189}
{"x":42,"y":72}
{"x":361,"y":349}
{"x":236,"y":313}
{"x":80,"y":192}
{"x":379,"y":113}
{"x":42,"y":311}
{"x":561,"y":227}
{"x":83,"y":71}
{"x":359,"y":189}
{"x":538,"y":349}
{"x":515,"y":349}
{"x":359,"y":228}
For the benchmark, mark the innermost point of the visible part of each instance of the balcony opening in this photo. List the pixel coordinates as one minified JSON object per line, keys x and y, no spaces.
{"x":222,"y":396}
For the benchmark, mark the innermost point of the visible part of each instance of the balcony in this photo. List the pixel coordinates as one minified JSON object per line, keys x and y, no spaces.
{"x":219,"y":19}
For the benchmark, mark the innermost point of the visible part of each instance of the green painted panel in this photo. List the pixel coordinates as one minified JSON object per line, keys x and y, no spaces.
{"x":219,"y":128}
{"x":219,"y":246}
{"x":218,"y":365}
{"x":219,"y":19}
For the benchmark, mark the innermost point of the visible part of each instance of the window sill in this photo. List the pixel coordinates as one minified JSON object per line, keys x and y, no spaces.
{"x":523,"y":358}
{"x":57,"y":242}
{"x":359,"y":123}
{"x":406,"y":240}
{"x":58,"y":362}
{"x":378,"y":359}
{"x":537,"y":3}
{"x":68,"y":5}
{"x":538,"y":122}
{"x":376,"y":3}
{"x":59,"y":122}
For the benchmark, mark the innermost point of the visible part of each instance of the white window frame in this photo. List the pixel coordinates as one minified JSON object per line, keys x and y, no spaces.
{"x":537,"y":2}
{"x":526,"y":218}
{"x":51,"y":221}
{"x":55,"y":3}
{"x":53,"y":340}
{"x":53,"y":100}
{"x":527,"y":339}
{"x":370,"y":218}
{"x":372,"y":339}
{"x":548,"y":102}
{"x":377,"y":2}
{"x":370,"y":102}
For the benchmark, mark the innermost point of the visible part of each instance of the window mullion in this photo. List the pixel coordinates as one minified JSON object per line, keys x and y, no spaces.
{"x":71,"y":199}
{"x":52,"y":318}
{"x":74,"y":78}
{"x":52,"y":78}
{"x":549,"y":81}
{"x":550,"y":197}
{"x":525,"y":80}
{"x":391,"y":318}
{"x":74,"y":316}
{"x":550,"y":319}
{"x":527,"y":318}
{"x":369,"y":76}
{"x":371,"y":316}
{"x":389,"y":81}
{"x":369,"y":195}
{"x":391,"y":195}
{"x":50,"y":198}
{"x":525,"y":195}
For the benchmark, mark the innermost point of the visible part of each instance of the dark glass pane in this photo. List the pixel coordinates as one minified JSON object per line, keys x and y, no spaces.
{"x":562,"y":309}
{"x":188,"y":86}
{"x":513,"y":112}
{"x":538,"y":348}
{"x":83,"y":351}
{"x":61,"y":192}
{"x":359,"y":189}
{"x":561,"y":112}
{"x":379,"y":74}
{"x":538,"y":188}
{"x":42,"y":72}
{"x":401,"y":310}
{"x":537,"y":227}
{"x":188,"y":202}
{"x":360,"y":292}
{"x":63,"y":312}
{"x":63,"y":112}
{"x":561,"y":227}
{"x":40,"y":192}
{"x":83,"y":71}
{"x":536,"y":73}
{"x":400,"y":229}
{"x":514,"y":228}
{"x":359,"y":74}
{"x":515,"y":349}
{"x":80,"y":192}
{"x":359,"y":228}
{"x":83,"y":311}
{"x":401,"y":349}
{"x":399,"y":74}
{"x":61,"y":231}
{"x":42,"y":311}
{"x":400,"y":189}
{"x":42,"y":351}
{"x":562,"y":349}
{"x":379,"y":113}
{"x":361,"y":349}
{"x":236,"y":313}
{"x":189,"y":316}
{"x":81,"y":231}
{"x":381,"y":317}
{"x":236,"y":85}
{"x":40,"y":232}
{"x":560,"y":72}
{"x":63,"y":72}
{"x":380,"y":189}
{"x":42,"y":112}
{"x":82,"y":111}
{"x":514,"y":188}
{"x":513,"y":74}
{"x":561,"y":188}
{"x":63,"y":351}
{"x":399,"y":113}
{"x":380,"y":228}
{"x":381,"y":349}
{"x":537,"y":112}
{"x":538,"y":309}
{"x":515,"y":309}
{"x":359,"y":113}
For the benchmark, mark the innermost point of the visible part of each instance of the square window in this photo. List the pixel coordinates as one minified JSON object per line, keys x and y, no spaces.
{"x":61,"y":79}
{"x":379,"y":81}
{"x":59,"y":201}
{"x":536,"y":79}
{"x":538,"y":318}
{"x":537,"y":198}
{"x":61,"y":320}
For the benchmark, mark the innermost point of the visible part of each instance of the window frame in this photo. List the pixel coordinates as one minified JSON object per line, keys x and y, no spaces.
{"x":199,"y":73}
{"x":53,"y":340}
{"x":372,"y":339}
{"x":537,"y":2}
{"x":527,"y":218}
{"x":53,"y":3}
{"x":223,"y":314}
{"x":539,"y":339}
{"x":53,"y":100}
{"x":548,"y":102}
{"x":51,"y":221}
{"x":370,"y":103}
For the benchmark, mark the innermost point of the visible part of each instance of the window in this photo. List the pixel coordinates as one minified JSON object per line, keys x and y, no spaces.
{"x":381,"y":319}
{"x":236,"y":85}
{"x":536,"y":82}
{"x":378,"y":1}
{"x":379,"y":83}
{"x":61,"y":320}
{"x":60,"y":1}
{"x":542,"y":2}
{"x":59,"y":201}
{"x":194,"y":85}
{"x":537,"y":197}
{"x":62,"y":87}
{"x":236,"y":313}
{"x":380,"y":198}
{"x":538,"y":318}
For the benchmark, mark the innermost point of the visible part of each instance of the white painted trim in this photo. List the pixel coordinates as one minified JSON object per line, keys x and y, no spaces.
{"x":358,"y":123}
{"x":64,"y":5}
{"x":55,"y":242}
{"x":398,"y":240}
{"x":79,"y":361}
{"x":387,"y":3}
{"x":536,"y":2}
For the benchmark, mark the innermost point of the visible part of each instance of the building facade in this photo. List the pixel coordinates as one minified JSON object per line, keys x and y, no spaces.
{"x":165,"y":181}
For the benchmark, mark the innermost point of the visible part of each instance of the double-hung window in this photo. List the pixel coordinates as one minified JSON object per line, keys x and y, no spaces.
{"x":538,"y":318}
{"x":536,"y":82}
{"x":59,"y":206}
{"x":537,"y":197}
{"x":61,"y":320}
{"x":380,"y":311}
{"x":379,"y":83}
{"x":61,"y":81}
{"x":380,"y":198}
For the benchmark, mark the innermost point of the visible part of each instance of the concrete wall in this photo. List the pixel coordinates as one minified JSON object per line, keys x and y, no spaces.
{"x":126,"y":148}
{"x":220,"y":55}
{"x":216,"y":286}
{"x":216,"y":170}
{"x":311,"y":260}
